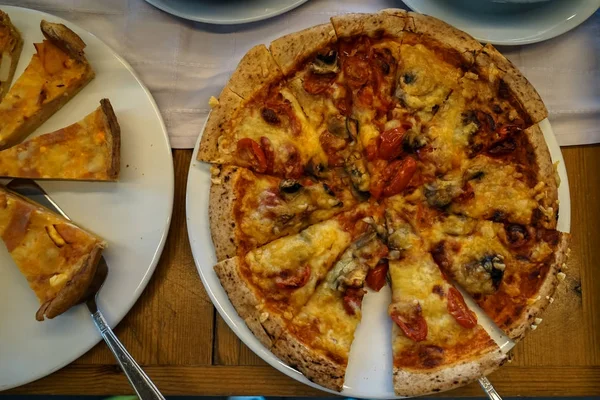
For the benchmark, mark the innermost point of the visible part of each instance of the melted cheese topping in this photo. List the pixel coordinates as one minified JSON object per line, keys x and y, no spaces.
{"x":80,"y":151}
{"x":34,"y":89}
{"x":48,"y":263}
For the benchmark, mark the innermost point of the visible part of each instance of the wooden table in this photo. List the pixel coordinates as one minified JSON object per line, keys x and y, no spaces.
{"x":186,"y":348}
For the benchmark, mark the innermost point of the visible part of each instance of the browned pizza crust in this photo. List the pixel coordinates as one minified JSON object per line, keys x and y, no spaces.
{"x":256,"y":69}
{"x":418,"y":383}
{"x":266,"y":326}
{"x":113,"y":132}
{"x":546,"y":173}
{"x":290,"y":51}
{"x":314,"y":365}
{"x":521,"y":325}
{"x":72,"y":293}
{"x":221,"y":206}
{"x":391,"y":22}
{"x":522,"y":90}
{"x":216,"y":126}
{"x":451,"y":38}
{"x":9,"y":29}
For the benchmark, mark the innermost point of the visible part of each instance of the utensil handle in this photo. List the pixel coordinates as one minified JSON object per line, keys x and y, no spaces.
{"x":489,"y":388}
{"x":141,"y":383}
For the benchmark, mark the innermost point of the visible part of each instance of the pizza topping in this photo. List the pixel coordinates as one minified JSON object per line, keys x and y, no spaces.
{"x":290,"y":186}
{"x":293,"y":165}
{"x":270,"y":116}
{"x":517,"y":235}
{"x":493,"y":265}
{"x":391,"y":145}
{"x":318,"y":83}
{"x":356,"y":71}
{"x":287,"y":280}
{"x":441,"y":192}
{"x":411,"y":322}
{"x":398,"y":175}
{"x":55,"y":236}
{"x":353,"y":300}
{"x":52,"y":58}
{"x":357,"y":170}
{"x":267,"y":148}
{"x":251,"y":153}
{"x":352,"y":127}
{"x":376,"y":276}
{"x":325,"y":63}
{"x":459,"y":310}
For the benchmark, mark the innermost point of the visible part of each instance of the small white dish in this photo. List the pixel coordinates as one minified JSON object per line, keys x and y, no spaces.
{"x":504,"y":23}
{"x":133,"y":215}
{"x":369,"y":373}
{"x":226,"y":12}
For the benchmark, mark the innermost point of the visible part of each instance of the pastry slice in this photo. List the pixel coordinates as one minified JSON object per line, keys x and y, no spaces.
{"x":437,"y":343}
{"x":57,"y":72}
{"x":86,"y":150}
{"x":57,"y":258}
{"x":317,"y":341}
{"x":11,"y":45}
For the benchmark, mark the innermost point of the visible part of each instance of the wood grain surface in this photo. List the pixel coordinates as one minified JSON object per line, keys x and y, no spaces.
{"x":186,"y":348}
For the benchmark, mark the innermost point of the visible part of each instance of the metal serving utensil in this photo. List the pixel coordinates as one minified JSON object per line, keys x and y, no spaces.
{"x":487,"y":386}
{"x":141,"y":383}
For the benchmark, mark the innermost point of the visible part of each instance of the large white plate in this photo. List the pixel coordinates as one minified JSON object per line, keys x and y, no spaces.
{"x":509,"y":24}
{"x":226,"y":12}
{"x":369,"y":373}
{"x":133,"y":215}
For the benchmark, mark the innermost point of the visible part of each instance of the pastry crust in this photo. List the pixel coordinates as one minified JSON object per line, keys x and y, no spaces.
{"x":520,"y":326}
{"x":290,"y":51}
{"x":221,"y":206}
{"x":113,"y":130}
{"x":417,"y":383}
{"x":65,"y":39}
{"x":13,"y":48}
{"x":312,"y":364}
{"x":522,"y":90}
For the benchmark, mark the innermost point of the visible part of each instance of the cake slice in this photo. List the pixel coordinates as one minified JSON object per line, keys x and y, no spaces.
{"x":57,"y":71}
{"x":86,"y":150}
{"x":11,"y":45}
{"x":57,"y":258}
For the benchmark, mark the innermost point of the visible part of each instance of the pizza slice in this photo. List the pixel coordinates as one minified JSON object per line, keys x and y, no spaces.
{"x":57,"y":258}
{"x":11,"y":45}
{"x":317,"y":340}
{"x":86,"y":150}
{"x":257,"y":123}
{"x":57,"y":72}
{"x":263,"y":208}
{"x":510,"y":269}
{"x":270,"y":284}
{"x":436,"y":340}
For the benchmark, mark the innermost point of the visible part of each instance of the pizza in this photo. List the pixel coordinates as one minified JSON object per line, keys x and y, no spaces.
{"x":383,"y":147}
{"x":57,"y":258}
{"x":56,"y":72}
{"x":11,"y":45}
{"x":86,"y":150}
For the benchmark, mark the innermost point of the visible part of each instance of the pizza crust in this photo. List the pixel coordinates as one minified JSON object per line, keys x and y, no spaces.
{"x":390,"y":21}
{"x":14,"y":54}
{"x":113,"y":131}
{"x":266,"y":326}
{"x":312,"y":364}
{"x":546,"y":172}
{"x":418,"y":383}
{"x":65,"y":39}
{"x":520,"y":87}
{"x":221,"y":206}
{"x":256,"y":69}
{"x":520,"y":326}
{"x":290,"y":51}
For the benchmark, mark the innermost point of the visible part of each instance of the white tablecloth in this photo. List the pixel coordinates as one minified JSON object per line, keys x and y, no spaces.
{"x":184,"y":63}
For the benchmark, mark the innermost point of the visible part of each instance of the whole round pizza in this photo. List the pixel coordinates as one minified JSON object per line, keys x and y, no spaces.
{"x":386,"y":148}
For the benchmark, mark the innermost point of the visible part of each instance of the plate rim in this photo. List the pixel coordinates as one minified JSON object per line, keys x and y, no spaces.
{"x":171,"y":189}
{"x":173,"y":11}
{"x":565,"y":26}
{"x":250,"y":340}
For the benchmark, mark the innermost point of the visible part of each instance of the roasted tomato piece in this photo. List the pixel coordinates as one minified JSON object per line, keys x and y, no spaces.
{"x":250,"y":152}
{"x":288,"y":280}
{"x":412,"y":324}
{"x":459,"y":310}
{"x":392,"y":143}
{"x":356,"y":71}
{"x":376,"y":276}
{"x":353,"y":300}
{"x":318,"y":83}
{"x":398,"y":175}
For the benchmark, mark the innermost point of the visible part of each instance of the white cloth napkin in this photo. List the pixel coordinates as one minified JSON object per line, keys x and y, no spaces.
{"x":183,"y":63}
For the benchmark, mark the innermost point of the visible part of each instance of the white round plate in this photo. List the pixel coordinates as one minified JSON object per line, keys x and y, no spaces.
{"x":369,"y":373}
{"x":133,"y":215}
{"x":226,"y":12}
{"x":509,"y":24}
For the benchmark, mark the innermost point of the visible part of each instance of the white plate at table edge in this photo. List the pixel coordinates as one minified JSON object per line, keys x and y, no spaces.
{"x":586,"y":9}
{"x":198,"y":224}
{"x":117,"y":306}
{"x":162,"y":5}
